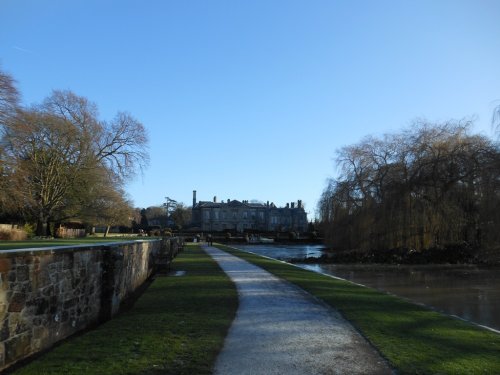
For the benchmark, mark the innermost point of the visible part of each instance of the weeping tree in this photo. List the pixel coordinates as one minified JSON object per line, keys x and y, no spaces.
{"x":424,"y":187}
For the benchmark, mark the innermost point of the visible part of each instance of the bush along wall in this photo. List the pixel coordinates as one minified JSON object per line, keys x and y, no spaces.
{"x":48,"y":294}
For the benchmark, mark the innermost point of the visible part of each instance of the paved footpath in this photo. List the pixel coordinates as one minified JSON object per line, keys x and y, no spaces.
{"x":281,"y":329}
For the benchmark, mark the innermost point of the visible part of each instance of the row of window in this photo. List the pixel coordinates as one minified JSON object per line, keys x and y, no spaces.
{"x":225,"y":215}
{"x":273,"y":220}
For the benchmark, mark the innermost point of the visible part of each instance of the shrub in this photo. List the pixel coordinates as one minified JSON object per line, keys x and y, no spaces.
{"x":154,"y":233}
{"x":29,"y":229}
{"x":13,"y":235}
{"x":4,"y":234}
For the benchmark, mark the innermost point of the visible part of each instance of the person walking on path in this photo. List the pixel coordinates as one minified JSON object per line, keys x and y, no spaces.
{"x":281,"y":329}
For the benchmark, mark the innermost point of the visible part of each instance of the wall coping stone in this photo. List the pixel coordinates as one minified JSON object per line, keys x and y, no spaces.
{"x":62,"y":249}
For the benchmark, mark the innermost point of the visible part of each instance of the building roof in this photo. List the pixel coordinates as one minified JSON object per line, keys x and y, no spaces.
{"x":233,"y":203}
{"x":238,"y":204}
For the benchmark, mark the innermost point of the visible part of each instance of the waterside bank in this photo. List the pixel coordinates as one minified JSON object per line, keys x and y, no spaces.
{"x":415,"y":339}
{"x":459,"y":254}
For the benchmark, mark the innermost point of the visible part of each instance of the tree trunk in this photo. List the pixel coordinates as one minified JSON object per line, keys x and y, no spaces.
{"x":107,"y":231}
{"x":41,"y":225}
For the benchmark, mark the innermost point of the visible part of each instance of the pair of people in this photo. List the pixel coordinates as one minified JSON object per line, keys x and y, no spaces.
{"x":209,"y":240}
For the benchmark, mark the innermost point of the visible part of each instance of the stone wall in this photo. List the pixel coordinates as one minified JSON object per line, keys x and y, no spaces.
{"x":49,"y":294}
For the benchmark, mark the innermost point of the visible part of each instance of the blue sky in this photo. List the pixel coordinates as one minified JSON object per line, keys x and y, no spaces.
{"x":251,"y":99}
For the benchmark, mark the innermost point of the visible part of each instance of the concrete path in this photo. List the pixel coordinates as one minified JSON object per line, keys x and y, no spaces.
{"x":281,"y":329}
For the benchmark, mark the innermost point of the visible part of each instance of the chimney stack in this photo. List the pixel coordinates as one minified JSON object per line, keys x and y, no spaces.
{"x":215,"y":199}
{"x":194,"y":198}
{"x":299,"y":204}
{"x":293,"y":204}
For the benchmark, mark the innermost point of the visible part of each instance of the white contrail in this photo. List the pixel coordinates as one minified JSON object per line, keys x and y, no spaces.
{"x":22,"y":49}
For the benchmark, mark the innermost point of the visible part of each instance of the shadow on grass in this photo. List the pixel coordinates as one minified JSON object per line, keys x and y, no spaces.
{"x":177,"y":326}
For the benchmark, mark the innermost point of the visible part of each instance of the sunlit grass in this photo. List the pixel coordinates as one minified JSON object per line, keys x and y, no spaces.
{"x":415,"y":340}
{"x":28,"y":244}
{"x":177,"y":326}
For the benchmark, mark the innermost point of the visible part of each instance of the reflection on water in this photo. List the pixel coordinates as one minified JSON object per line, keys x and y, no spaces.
{"x":285,"y":252}
{"x":470,"y":292}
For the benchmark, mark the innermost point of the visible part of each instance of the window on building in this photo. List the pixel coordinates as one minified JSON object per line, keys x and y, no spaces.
{"x":245,"y":214}
{"x":206,"y":214}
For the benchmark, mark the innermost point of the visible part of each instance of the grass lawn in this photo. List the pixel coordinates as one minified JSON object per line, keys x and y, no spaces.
{"x":12,"y":245}
{"x":414,"y":339}
{"x":177,"y":326}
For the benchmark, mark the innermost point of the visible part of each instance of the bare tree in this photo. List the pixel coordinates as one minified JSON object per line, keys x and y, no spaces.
{"x":422,"y":188}
{"x":109,"y":207}
{"x":181,"y":215}
{"x":57,"y":153}
{"x":9,"y":104}
{"x":9,"y":97}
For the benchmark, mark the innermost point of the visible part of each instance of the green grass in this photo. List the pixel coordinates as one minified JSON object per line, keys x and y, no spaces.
{"x":13,"y":245}
{"x":415,"y":340}
{"x":177,"y":326}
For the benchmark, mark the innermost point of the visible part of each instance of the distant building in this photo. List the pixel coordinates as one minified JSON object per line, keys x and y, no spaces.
{"x":233,"y":215}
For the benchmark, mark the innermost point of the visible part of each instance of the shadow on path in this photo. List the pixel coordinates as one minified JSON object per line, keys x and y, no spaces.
{"x":281,"y":329}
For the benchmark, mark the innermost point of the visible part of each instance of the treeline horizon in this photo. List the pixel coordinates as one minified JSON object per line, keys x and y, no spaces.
{"x":430,"y":186}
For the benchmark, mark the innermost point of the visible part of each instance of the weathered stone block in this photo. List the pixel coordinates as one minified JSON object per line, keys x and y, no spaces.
{"x":41,"y":278}
{"x":23,"y":273}
{"x":17,"y":302}
{"x":70,"y":303}
{"x":64,"y":316}
{"x":2,"y":355}
{"x":12,"y":276}
{"x":48,"y":291}
{"x":42,"y":306}
{"x":4,"y":330}
{"x":68,"y":261}
{"x":17,"y":347}
{"x":5,"y":265}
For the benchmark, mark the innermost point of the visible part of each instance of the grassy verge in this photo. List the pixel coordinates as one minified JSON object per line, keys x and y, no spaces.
{"x":177,"y":326}
{"x":28,"y":244}
{"x":414,"y":339}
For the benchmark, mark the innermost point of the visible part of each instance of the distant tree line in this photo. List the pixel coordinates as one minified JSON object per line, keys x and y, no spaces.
{"x":430,"y":186}
{"x":60,"y":161}
{"x":178,"y":217}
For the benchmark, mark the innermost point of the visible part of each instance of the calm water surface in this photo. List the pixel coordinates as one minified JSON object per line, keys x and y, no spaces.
{"x":285,"y":252}
{"x":470,"y":292}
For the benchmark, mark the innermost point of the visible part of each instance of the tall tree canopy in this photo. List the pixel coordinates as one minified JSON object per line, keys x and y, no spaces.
{"x":432,"y":185}
{"x":59,"y":160}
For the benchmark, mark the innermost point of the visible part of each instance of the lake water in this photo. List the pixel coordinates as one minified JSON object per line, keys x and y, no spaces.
{"x":285,"y":252}
{"x":469,"y":292}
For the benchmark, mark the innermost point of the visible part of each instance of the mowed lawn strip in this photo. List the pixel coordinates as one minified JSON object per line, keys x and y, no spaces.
{"x":177,"y":326}
{"x":414,"y":339}
{"x":28,"y":244}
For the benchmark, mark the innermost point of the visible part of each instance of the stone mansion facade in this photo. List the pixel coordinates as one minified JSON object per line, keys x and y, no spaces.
{"x":233,"y":215}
